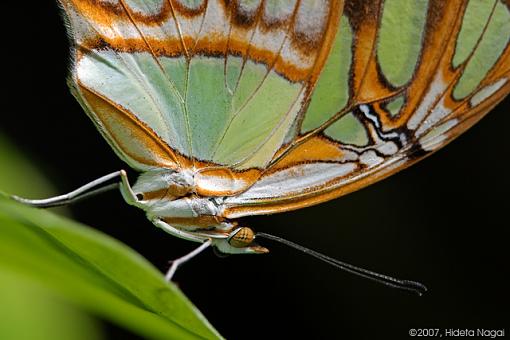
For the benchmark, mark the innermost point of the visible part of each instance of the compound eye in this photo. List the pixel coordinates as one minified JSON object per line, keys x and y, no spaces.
{"x":241,"y":237}
{"x":139,"y":197}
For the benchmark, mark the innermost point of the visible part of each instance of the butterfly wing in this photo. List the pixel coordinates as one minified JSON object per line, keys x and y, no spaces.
{"x":284,"y":103}
{"x":402,"y":80}
{"x":215,"y":83}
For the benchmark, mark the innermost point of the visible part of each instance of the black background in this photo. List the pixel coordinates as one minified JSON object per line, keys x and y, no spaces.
{"x":443,"y":222}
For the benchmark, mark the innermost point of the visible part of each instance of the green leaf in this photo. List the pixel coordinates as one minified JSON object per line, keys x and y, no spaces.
{"x":96,"y":273}
{"x":31,"y":312}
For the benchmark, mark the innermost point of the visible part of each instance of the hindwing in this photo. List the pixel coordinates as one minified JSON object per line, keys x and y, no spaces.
{"x":402,"y":80}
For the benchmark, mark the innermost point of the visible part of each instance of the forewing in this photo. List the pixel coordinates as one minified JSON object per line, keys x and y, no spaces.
{"x":117,"y":77}
{"x":219,"y":83}
{"x":403,"y":79}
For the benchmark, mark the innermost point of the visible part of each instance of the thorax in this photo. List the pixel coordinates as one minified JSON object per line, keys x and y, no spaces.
{"x":172,"y":202}
{"x":179,"y":198}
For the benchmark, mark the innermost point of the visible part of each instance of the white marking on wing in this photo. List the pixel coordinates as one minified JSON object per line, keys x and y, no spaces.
{"x":295,"y":180}
{"x":487,"y":91}
{"x":295,"y":57}
{"x":435,"y":138}
{"x":375,"y":120}
{"x":370,"y":158}
{"x":215,"y":22}
{"x":437,"y":114}
{"x":148,"y":8}
{"x":214,"y":25}
{"x":219,"y":184}
{"x":348,"y":155}
{"x":278,"y":10}
{"x":311,"y":18}
{"x":270,"y":40}
{"x":387,"y":148}
{"x":437,"y":87}
{"x":248,"y":8}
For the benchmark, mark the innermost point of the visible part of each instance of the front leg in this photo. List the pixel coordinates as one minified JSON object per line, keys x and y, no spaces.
{"x":88,"y":190}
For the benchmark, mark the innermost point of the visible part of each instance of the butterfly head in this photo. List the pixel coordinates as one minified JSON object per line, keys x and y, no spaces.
{"x":239,"y":241}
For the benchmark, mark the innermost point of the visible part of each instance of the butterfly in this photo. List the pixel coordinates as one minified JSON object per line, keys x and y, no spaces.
{"x":237,"y":108}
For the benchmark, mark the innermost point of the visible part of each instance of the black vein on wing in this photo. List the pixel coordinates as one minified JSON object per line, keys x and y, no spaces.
{"x":253,"y":94}
{"x":459,"y":71}
{"x":137,"y":78}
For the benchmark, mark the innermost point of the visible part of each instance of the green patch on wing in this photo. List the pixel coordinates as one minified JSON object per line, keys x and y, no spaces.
{"x":473,"y":23}
{"x":212,"y":109}
{"x":257,"y":118}
{"x":492,"y":41}
{"x":208,"y":103}
{"x":235,"y":109}
{"x":399,"y":43}
{"x":233,"y":71}
{"x":332,"y":90}
{"x":348,"y":130}
{"x":395,"y":105}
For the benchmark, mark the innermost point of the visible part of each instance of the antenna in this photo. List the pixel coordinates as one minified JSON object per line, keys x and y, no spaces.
{"x":389,"y":281}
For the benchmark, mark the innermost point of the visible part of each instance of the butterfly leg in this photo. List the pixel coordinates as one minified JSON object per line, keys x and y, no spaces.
{"x":90,"y":189}
{"x":177,"y":262}
{"x":206,"y":242}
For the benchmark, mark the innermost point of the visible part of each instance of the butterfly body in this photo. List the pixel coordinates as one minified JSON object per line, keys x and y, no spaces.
{"x":239,"y":108}
{"x":171,"y":202}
